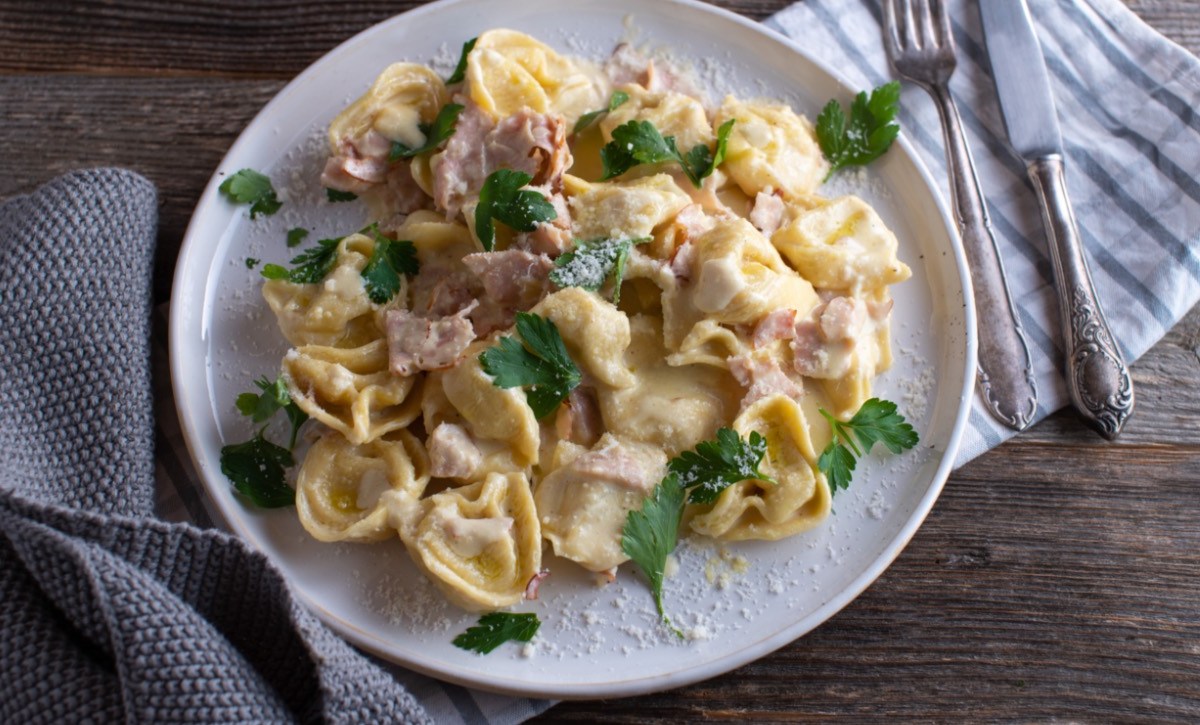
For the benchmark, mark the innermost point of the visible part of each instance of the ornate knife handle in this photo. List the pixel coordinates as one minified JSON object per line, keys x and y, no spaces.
{"x":1098,"y":380}
{"x":1005,"y":369}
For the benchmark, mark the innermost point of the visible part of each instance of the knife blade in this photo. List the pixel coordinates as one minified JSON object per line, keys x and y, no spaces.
{"x":1098,"y":379}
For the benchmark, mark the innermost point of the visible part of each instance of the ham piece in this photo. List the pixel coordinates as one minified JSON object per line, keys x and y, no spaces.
{"x":762,"y":376}
{"x":512,"y":278}
{"x":418,"y":343}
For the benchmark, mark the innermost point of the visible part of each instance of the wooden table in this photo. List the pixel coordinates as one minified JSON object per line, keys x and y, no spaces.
{"x":1057,"y":577}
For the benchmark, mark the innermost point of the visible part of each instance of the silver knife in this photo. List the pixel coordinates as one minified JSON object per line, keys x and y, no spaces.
{"x":1098,"y":380}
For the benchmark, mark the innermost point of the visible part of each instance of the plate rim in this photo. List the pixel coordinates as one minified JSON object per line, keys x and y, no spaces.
{"x":626,"y":687}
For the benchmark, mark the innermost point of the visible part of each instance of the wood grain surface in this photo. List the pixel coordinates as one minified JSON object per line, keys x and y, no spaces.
{"x":1058,"y":577}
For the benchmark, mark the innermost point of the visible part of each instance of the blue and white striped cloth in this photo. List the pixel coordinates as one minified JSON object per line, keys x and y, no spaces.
{"x":1127,"y":102}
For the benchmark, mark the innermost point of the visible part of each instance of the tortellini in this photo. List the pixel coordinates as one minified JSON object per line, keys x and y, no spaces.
{"x":584,"y":501}
{"x":596,"y":333}
{"x":404,"y":96}
{"x":508,"y":71}
{"x":351,"y":390}
{"x":623,"y":209}
{"x":481,"y":544}
{"x":770,"y":147}
{"x":798,"y":500}
{"x":673,"y":114}
{"x":842,"y":244}
{"x":334,"y":312}
{"x":340,"y":488}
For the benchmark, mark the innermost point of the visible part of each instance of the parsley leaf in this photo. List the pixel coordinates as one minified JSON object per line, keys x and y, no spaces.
{"x":875,"y":422}
{"x":496,"y":628}
{"x":542,"y":364}
{"x":460,"y":70}
{"x":250,"y":187}
{"x":503,"y":199}
{"x":309,"y":267}
{"x":252,"y":262}
{"x":274,"y":397}
{"x":639,"y":142}
{"x":717,"y":464}
{"x":295,"y":236}
{"x":616,"y":101}
{"x":441,"y":129}
{"x":335,"y":196}
{"x":651,"y":533}
{"x":389,"y":261}
{"x":256,"y":470}
{"x":870,"y":132}
{"x":591,"y":263}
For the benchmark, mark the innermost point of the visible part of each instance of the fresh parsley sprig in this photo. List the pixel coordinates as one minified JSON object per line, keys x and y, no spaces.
{"x":502,"y":198}
{"x":639,"y":142}
{"x":308,"y":267}
{"x":250,"y":187}
{"x":273,"y":398}
{"x":717,"y":464}
{"x":618,"y":99}
{"x":295,"y":236}
{"x":336,"y":196}
{"x":542,"y":364}
{"x":591,"y":263}
{"x":870,"y":132}
{"x":390,"y":260}
{"x":875,"y":422}
{"x":651,"y":533}
{"x":460,"y":70}
{"x":441,"y":129}
{"x":256,"y":470}
{"x":496,"y":628}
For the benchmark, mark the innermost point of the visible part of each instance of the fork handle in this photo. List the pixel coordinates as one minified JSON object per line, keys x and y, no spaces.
{"x":1005,"y":368}
{"x":1098,"y":380}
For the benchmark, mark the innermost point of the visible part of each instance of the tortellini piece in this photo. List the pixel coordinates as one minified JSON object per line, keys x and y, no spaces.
{"x":508,"y":71}
{"x":842,"y":245}
{"x":334,"y":312}
{"x":797,"y":501}
{"x":584,"y":502}
{"x":475,"y":427}
{"x":481,"y":543}
{"x":623,"y":209}
{"x":770,"y":147}
{"x":351,"y":390}
{"x":595,"y":332}
{"x":673,"y":408}
{"x":404,"y":96}
{"x":340,"y":488}
{"x":673,"y":114}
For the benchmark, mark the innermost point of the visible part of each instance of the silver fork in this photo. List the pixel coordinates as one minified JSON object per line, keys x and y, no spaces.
{"x":921,"y":47}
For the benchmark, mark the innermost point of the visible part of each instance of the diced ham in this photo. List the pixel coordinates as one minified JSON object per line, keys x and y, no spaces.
{"x":626,"y":65}
{"x":535,"y":582}
{"x":553,"y":237}
{"x":443,"y":287}
{"x":767,"y":213}
{"x":879,"y":311}
{"x":452,"y":452}
{"x":418,"y":343}
{"x":579,"y":419}
{"x":526,"y":141}
{"x":761,"y":375}
{"x":779,"y":325}
{"x":512,"y":278}
{"x":824,"y":341}
{"x":401,"y":194}
{"x":359,"y":163}
{"x":691,"y":222}
{"x":616,"y":465}
{"x":681,"y":261}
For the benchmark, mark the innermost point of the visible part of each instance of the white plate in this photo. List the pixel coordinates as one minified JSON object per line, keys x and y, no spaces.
{"x":594,"y":642}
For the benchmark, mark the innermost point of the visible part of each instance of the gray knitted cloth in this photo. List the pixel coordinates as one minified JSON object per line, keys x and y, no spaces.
{"x":106,"y":613}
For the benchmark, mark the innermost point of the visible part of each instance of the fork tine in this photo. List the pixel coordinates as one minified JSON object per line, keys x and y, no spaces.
{"x":891,"y":33}
{"x":941,"y":21}
{"x":912,"y":36}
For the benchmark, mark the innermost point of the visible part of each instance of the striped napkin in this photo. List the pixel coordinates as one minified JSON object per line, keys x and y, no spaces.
{"x":1126,"y":100}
